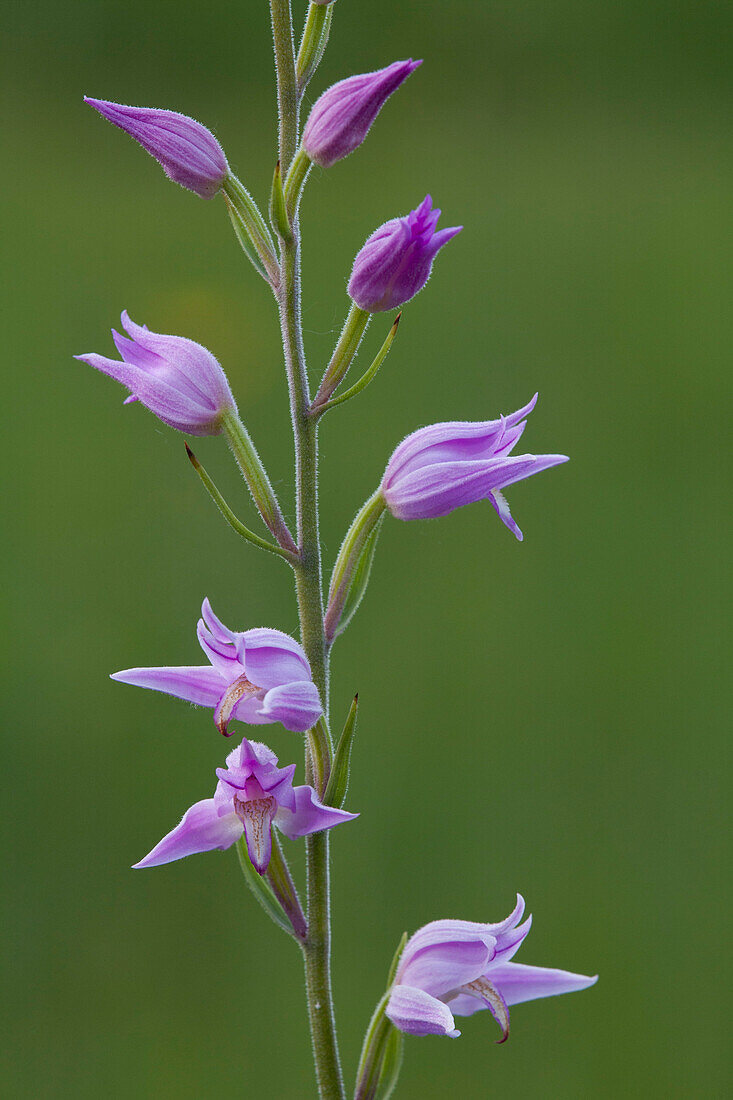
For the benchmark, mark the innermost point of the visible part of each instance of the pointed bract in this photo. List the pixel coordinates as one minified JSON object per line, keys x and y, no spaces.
{"x":396,"y":261}
{"x":188,"y":153}
{"x":341,"y":118}
{"x":455,"y":968}
{"x":443,"y":466}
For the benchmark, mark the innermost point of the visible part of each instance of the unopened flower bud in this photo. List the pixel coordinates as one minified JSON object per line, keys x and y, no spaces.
{"x":188,"y":153}
{"x":177,"y":379}
{"x":341,"y":117}
{"x":396,"y":261}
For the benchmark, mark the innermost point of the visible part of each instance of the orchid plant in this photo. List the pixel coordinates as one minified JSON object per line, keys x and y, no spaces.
{"x":258,"y":676}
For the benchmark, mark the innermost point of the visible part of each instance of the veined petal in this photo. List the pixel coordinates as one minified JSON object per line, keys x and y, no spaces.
{"x":490,"y":997}
{"x":138,"y":356}
{"x":256,"y":816}
{"x":309,"y":816}
{"x":417,"y":1013}
{"x":296,"y":705}
{"x":509,"y":922}
{"x":508,"y":943}
{"x":456,"y":440}
{"x":272,"y":658}
{"x":220,"y":632}
{"x":240,"y":689}
{"x":198,"y":684}
{"x":222,"y":654}
{"x":201,"y":829}
{"x":438,"y":489}
{"x":443,"y":966}
{"x":519,"y":983}
{"x":523,"y":466}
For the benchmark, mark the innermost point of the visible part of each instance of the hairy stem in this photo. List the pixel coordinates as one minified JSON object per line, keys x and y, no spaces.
{"x":308,"y":582}
{"x":287,"y":85}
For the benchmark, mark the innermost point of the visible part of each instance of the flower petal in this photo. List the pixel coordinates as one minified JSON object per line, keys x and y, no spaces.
{"x":519,"y":983}
{"x":296,"y":705}
{"x":490,"y":997}
{"x":198,"y":684}
{"x":508,"y":943}
{"x":442,"y":966}
{"x":220,"y":632}
{"x":272,"y":658}
{"x":200,"y":830}
{"x":222,"y":654}
{"x":456,"y":440}
{"x":417,"y":1013}
{"x":256,"y":815}
{"x":309,"y":816}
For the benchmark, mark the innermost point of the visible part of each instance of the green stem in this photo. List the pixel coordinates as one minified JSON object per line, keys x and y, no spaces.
{"x":317,"y":946}
{"x":283,"y":887}
{"x":287,"y":85}
{"x":375,"y":1040}
{"x":295,"y":182}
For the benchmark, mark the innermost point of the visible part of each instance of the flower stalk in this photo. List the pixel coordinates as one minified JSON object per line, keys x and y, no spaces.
{"x":308,"y":583}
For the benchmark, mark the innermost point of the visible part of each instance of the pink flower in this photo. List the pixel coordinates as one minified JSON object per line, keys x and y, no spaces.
{"x":257,"y":676}
{"x":252,"y":795}
{"x":455,"y":968}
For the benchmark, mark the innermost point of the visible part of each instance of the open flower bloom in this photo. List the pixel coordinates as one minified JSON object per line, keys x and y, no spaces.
{"x":252,"y":795}
{"x":258,"y":676}
{"x":443,"y":466}
{"x":177,"y":379}
{"x":455,"y":968}
{"x":340,"y":119}
{"x":188,"y":153}
{"x":396,"y":261}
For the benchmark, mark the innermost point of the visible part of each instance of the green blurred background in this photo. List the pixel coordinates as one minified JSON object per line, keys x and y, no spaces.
{"x":545,"y":717}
